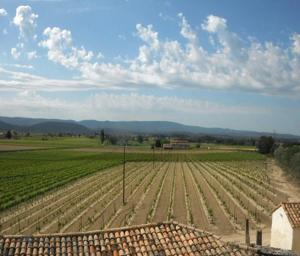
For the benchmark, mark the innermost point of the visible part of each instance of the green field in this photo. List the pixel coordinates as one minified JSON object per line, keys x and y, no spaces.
{"x":26,"y":174}
{"x":53,"y":142}
{"x":87,"y":142}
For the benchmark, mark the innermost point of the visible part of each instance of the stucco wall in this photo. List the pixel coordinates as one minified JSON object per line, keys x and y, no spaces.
{"x":281,"y":231}
{"x":296,"y":240}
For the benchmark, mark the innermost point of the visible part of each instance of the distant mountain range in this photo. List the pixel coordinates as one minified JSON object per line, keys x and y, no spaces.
{"x":43,"y":126}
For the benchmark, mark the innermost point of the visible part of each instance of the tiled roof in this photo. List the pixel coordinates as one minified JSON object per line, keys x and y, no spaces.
{"x":168,"y":238}
{"x":293,"y":212}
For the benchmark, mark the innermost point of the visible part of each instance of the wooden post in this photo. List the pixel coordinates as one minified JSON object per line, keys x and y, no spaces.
{"x":19,"y":225}
{"x":259,"y":237}
{"x":247,"y":233}
{"x":234,"y":213}
{"x":124,"y":161}
{"x":102,"y":221}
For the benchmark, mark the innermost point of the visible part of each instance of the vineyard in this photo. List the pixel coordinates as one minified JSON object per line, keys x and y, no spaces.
{"x":25,"y":175}
{"x":213,"y":195}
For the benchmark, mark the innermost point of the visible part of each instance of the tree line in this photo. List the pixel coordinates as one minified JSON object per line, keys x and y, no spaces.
{"x":288,"y":156}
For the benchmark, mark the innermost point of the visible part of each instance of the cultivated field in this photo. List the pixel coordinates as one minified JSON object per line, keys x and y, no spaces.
{"x":205,"y":191}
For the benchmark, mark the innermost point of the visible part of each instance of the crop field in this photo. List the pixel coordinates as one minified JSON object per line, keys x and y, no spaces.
{"x":27,"y":174}
{"x":209,"y":191}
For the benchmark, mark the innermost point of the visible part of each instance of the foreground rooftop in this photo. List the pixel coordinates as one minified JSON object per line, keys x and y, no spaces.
{"x":167,"y":238}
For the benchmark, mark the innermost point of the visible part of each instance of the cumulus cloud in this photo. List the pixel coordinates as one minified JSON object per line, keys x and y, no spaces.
{"x":236,"y":63}
{"x":25,"y":20}
{"x":186,"y":30}
{"x":214,"y":24}
{"x":32,"y":55}
{"x":61,"y":50}
{"x":3,"y":12}
{"x":15,"y":53}
{"x":148,"y":35}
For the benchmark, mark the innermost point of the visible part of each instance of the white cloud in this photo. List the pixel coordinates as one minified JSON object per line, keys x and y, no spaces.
{"x":100,"y":55}
{"x":14,"y":81}
{"x":60,"y":48}
{"x":186,"y":30}
{"x":236,"y":63}
{"x":122,"y":37}
{"x":214,"y":24}
{"x":3,"y":12}
{"x":15,"y":53}
{"x":22,"y":66}
{"x":165,"y":17}
{"x":112,"y":106}
{"x":32,"y":55}
{"x":25,"y":20}
{"x":296,"y":43}
{"x":148,"y":35}
{"x":231,"y":42}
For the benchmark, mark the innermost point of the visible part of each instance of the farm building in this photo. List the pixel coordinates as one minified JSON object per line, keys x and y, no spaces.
{"x":285,"y":231}
{"x":167,"y":238}
{"x":177,"y":144}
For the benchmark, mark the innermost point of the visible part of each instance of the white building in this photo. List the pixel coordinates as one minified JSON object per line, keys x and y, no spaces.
{"x":285,"y":231}
{"x":177,"y":144}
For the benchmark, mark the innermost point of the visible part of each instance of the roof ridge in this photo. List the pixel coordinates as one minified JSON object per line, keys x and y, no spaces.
{"x":196,"y":229}
{"x":289,"y":209}
{"x":283,"y":203}
{"x":90,"y":232}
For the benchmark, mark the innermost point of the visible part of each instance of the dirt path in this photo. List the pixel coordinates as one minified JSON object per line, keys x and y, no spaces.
{"x":145,"y":207}
{"x":161,"y":213}
{"x":197,"y":202}
{"x":282,"y":182}
{"x":179,"y":208}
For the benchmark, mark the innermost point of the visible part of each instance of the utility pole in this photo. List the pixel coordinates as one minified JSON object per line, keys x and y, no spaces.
{"x":124,"y":161}
{"x":153,"y":156}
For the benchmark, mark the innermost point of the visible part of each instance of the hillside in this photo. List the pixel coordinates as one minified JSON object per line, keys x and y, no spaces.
{"x":38,"y":125}
{"x":6,"y":126}
{"x":54,"y":127}
{"x":59,"y":127}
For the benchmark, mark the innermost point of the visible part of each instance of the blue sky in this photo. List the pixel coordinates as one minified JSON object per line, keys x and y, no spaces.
{"x":231,"y":64}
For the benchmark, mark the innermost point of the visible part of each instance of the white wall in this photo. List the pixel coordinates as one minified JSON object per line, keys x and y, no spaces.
{"x":296,"y":240}
{"x":281,"y":231}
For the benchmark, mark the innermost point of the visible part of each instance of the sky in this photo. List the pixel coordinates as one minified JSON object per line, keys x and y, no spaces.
{"x":230,"y":64}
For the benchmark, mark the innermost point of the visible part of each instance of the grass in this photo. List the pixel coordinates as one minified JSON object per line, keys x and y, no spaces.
{"x":53,"y":142}
{"x":65,"y":142}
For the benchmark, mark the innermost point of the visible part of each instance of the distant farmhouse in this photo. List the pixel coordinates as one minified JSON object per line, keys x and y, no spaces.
{"x":177,"y":144}
{"x":285,"y":232}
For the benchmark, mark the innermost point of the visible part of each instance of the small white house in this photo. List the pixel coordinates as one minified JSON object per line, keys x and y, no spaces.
{"x":285,"y":230}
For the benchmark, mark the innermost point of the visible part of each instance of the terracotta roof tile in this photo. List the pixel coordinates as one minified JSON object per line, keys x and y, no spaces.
{"x":293,"y":212}
{"x":168,"y":238}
